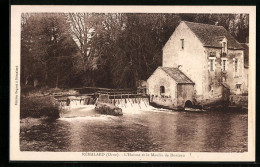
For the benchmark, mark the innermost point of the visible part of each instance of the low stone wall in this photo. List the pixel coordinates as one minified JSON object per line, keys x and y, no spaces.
{"x":164,"y":101}
{"x":211,"y":101}
{"x":238,"y":100}
{"x":108,"y":109}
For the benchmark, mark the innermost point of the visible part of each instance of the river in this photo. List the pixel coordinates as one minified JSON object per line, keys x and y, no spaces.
{"x":148,"y":130}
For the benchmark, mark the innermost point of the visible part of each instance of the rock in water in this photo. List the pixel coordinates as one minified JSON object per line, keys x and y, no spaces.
{"x":108,"y":109}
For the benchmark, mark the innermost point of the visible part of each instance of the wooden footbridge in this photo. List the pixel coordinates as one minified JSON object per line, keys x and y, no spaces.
{"x":89,"y":95}
{"x":111,"y":93}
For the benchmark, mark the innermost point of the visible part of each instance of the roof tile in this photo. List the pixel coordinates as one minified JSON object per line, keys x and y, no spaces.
{"x":210,"y":35}
{"x":177,"y":75}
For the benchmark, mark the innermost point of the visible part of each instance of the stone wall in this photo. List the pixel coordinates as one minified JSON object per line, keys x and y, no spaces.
{"x":164,"y":101}
{"x":191,"y":58}
{"x":172,"y":97}
{"x":160,"y":78}
{"x":185,"y":92}
{"x":213,"y":79}
{"x":232,"y":79}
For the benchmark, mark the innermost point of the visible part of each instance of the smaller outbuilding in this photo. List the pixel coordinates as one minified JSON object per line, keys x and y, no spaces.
{"x":170,"y":87}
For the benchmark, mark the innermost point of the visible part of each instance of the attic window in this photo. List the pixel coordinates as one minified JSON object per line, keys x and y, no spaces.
{"x":182,"y":43}
{"x":212,"y":54}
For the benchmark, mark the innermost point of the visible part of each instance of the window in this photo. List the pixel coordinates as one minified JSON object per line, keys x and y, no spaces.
{"x":224,"y":64}
{"x":211,"y":65}
{"x":236,"y":69}
{"x":236,"y":62}
{"x":238,"y":86}
{"x":212,"y":54}
{"x":162,"y":90}
{"x":182,"y":43}
{"x":212,"y":92}
{"x":224,"y":46}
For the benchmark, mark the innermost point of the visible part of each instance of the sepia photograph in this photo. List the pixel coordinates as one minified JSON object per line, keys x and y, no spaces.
{"x":121,"y":84}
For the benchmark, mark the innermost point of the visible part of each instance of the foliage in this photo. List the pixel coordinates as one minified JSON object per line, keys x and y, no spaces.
{"x":38,"y":106}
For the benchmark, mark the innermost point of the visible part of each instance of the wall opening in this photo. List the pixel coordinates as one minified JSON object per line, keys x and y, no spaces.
{"x":162,"y":90}
{"x":188,"y":103}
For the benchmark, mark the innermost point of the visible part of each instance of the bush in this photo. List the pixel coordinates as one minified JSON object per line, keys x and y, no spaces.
{"x":38,"y":106}
{"x":25,"y":89}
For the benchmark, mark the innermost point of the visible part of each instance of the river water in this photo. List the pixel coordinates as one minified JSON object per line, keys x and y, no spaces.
{"x":148,"y":129}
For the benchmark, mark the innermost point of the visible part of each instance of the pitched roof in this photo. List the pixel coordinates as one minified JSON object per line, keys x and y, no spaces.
{"x":246,"y":54}
{"x":210,"y":35}
{"x":177,"y":75}
{"x":226,"y":85}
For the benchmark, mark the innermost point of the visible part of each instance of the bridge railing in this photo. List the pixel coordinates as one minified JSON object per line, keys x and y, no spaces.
{"x":87,"y":90}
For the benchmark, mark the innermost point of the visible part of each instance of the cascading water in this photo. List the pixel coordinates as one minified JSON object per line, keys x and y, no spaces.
{"x":74,"y":102}
{"x":76,"y":106}
{"x":132,"y":105}
{"x":73,"y":106}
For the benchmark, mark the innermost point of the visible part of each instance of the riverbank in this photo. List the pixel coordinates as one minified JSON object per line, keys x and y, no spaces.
{"x":27,"y":123}
{"x":40,"y":102}
{"x":38,"y":106}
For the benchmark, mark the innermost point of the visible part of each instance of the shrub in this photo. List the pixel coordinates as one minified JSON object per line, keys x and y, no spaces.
{"x":25,"y":89}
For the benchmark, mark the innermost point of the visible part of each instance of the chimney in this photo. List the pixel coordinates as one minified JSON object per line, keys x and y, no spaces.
{"x":179,"y":67}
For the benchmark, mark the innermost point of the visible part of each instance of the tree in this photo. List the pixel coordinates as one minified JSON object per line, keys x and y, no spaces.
{"x":84,"y":27}
{"x":112,"y":50}
{"x":44,"y":42}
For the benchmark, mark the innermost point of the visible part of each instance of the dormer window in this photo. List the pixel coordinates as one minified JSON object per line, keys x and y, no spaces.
{"x":224,"y":47}
{"x":182,"y":43}
{"x":212,"y":54}
{"x":223,"y":44}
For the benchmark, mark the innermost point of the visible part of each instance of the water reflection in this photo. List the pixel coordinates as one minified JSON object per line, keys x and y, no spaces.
{"x":150,"y":130}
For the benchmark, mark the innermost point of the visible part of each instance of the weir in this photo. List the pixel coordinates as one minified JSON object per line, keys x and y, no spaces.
{"x":122,"y":98}
{"x":74,"y":101}
{"x":130,"y":103}
{"x":136,"y":103}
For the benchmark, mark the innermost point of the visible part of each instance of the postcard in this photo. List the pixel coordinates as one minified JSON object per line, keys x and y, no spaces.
{"x":132,"y":83}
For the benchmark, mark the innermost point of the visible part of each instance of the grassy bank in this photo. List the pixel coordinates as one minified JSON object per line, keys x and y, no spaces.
{"x":38,"y":106}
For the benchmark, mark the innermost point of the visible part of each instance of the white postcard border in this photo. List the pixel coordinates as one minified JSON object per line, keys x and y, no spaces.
{"x":16,"y":154}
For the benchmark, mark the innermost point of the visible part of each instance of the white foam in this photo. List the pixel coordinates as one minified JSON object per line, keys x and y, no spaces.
{"x":88,"y":118}
{"x":73,"y":103}
{"x":132,"y":105}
